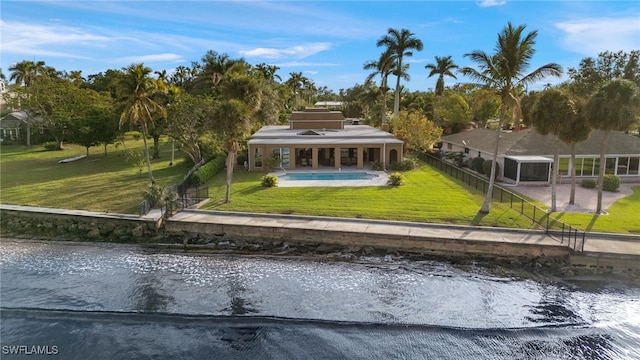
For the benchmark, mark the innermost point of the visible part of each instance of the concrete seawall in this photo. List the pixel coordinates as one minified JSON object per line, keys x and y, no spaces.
{"x":250,"y":232}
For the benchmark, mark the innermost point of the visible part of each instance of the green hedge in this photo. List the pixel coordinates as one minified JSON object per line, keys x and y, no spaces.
{"x":208,"y":171}
{"x":476,"y":164}
{"x":610,"y":182}
{"x":588,"y":184}
{"x":486,"y":165}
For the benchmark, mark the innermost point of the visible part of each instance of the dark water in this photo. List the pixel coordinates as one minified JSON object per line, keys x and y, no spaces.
{"x":107,"y":301}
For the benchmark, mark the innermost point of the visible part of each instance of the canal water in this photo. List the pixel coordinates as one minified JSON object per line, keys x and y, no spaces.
{"x":113,"y":301}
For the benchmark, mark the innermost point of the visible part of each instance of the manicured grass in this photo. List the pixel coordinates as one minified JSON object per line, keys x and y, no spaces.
{"x":427,"y":196}
{"x":623,"y":217}
{"x":32,"y":176}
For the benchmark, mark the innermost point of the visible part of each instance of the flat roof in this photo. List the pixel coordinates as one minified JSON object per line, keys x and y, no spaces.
{"x":529,"y":158}
{"x":351,"y":134}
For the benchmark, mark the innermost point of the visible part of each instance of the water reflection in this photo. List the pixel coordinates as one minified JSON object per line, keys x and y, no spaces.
{"x":146,"y":295}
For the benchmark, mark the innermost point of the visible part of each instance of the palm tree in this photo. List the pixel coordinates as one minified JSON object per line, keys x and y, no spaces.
{"x":400,"y":42}
{"x":505,"y":72}
{"x":25,"y":72}
{"x":383,"y":67}
{"x":233,"y":116}
{"x":614,"y":107}
{"x":268,"y":71}
{"x":135,"y":89}
{"x":443,"y":67}
{"x":296,"y":82}
{"x":551,"y":113}
{"x":213,"y":69}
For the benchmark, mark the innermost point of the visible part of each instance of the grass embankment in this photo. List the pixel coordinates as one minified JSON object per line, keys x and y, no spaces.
{"x":427,"y":196}
{"x":32,"y":176}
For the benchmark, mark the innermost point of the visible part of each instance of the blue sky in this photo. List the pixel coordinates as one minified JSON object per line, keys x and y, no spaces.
{"x":328,"y":41}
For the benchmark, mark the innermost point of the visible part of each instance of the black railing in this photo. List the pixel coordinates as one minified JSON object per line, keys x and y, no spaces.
{"x":565,"y":233}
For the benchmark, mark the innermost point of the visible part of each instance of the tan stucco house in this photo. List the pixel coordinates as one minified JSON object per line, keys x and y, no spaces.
{"x":527,"y":156}
{"x":319,"y":138}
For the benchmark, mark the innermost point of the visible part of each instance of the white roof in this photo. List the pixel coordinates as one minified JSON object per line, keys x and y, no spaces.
{"x":529,"y":158}
{"x":351,"y":134}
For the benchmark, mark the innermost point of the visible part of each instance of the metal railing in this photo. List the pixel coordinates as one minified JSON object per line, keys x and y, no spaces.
{"x":565,"y":233}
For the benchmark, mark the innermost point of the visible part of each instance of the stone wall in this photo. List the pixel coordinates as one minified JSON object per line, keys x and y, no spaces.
{"x":21,"y":221}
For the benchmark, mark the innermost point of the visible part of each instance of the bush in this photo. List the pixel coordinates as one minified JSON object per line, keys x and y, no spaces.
{"x":588,"y":184}
{"x":241,"y":158}
{"x":269,"y":181}
{"x":135,"y":135}
{"x":155,"y":195}
{"x":477,"y":164}
{"x":610,"y":182}
{"x":208,"y":170}
{"x":486,"y":166}
{"x":457,"y":157}
{"x":404,"y":165}
{"x":377,"y":166}
{"x":395,"y":179}
{"x":50,"y":146}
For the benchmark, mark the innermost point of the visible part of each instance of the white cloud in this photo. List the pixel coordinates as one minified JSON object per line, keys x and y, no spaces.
{"x":29,"y":39}
{"x":592,"y":36}
{"x":168,"y":57}
{"x":300,"y":51}
{"x":489,"y":3}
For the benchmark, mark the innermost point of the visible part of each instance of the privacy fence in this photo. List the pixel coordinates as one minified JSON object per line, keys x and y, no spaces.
{"x":565,"y":233}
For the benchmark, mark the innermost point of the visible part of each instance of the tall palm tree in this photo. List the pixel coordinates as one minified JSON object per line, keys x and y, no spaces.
{"x":505,"y":71}
{"x":400,"y":42}
{"x":552,"y":112}
{"x":135,"y":88}
{"x":214,"y":67}
{"x":296,"y":82}
{"x":233,"y":117}
{"x":384,"y":67}
{"x":614,"y":107}
{"x":443,"y":67}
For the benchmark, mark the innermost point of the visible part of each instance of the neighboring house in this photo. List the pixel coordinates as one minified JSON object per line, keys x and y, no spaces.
{"x":317,"y":138}
{"x":19,"y":126}
{"x":526,"y":155}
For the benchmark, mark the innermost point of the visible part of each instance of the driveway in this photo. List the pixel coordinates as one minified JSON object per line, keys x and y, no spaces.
{"x":586,"y":200}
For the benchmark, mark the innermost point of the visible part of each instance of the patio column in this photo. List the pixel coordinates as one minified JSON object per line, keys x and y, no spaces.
{"x":360,"y":156}
{"x":314,"y":158}
{"x":336,"y":158}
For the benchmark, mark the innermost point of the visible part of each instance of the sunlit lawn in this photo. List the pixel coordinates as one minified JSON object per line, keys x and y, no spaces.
{"x":32,"y":176}
{"x":427,"y":196}
{"x":623,"y":217}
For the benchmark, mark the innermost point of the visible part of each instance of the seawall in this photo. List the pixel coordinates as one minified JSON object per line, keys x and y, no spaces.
{"x":286,"y":234}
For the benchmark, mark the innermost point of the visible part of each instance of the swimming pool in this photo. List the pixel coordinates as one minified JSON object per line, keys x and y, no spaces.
{"x":327,"y":176}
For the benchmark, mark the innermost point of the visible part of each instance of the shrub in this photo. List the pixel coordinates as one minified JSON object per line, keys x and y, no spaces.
{"x":135,"y":135}
{"x":208,"y":170}
{"x":395,"y":179}
{"x":610,"y":182}
{"x":404,"y":165}
{"x":377,"y":166}
{"x":486,"y":166}
{"x":457,"y":157}
{"x":269,"y":181}
{"x":154,"y":194}
{"x":241,"y":158}
{"x":588,"y":184}
{"x":50,"y":146}
{"x":477,"y":164}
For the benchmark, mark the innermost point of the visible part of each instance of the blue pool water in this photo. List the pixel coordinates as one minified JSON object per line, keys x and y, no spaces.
{"x":327,"y":176}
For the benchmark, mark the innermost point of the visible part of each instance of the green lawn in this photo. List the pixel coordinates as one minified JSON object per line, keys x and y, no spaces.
{"x":32,"y":176}
{"x":623,"y":217}
{"x":427,"y":196}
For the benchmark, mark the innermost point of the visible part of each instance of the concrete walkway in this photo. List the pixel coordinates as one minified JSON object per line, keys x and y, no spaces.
{"x":596,"y":244}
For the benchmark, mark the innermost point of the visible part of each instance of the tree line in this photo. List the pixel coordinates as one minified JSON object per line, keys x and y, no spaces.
{"x":214,"y":105}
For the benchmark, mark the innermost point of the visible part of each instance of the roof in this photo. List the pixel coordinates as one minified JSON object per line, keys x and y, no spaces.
{"x":530,"y":142}
{"x":315,"y":115}
{"x":351,"y":134}
{"x":16,"y":118}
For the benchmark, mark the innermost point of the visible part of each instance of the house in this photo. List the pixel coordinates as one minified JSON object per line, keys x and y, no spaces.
{"x":527,"y":156}
{"x":19,"y":126}
{"x":319,"y":138}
